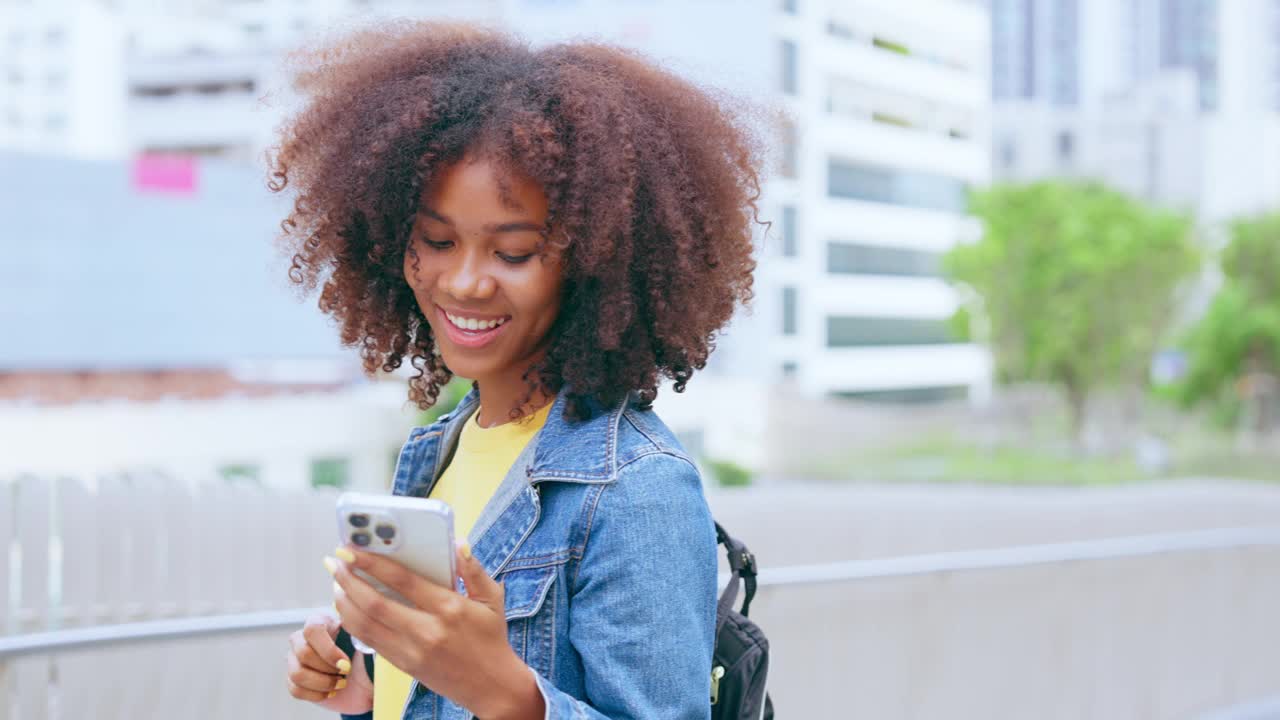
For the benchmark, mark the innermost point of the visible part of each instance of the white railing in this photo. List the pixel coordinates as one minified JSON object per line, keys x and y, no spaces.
{"x":115,"y":622}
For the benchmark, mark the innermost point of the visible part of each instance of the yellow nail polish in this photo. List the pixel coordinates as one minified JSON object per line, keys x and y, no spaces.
{"x":331,"y":695}
{"x":465,"y":550}
{"x":341,"y":684}
{"x":344,"y":667}
{"x":345,"y":555}
{"x":331,"y":565}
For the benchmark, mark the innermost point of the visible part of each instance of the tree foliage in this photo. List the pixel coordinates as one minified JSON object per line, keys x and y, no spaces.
{"x":1077,"y":283}
{"x":1235,"y":347}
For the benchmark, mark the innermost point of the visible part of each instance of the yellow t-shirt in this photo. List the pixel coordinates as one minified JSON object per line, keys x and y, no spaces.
{"x":479,"y":464}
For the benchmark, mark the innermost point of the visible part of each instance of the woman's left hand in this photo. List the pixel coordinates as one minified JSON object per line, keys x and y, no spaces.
{"x":454,"y":644}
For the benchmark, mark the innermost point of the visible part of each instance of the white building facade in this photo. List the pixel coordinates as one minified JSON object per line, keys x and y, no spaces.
{"x":890,"y":107}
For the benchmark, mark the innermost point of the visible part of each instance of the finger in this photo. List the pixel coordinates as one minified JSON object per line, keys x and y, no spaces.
{"x":480,"y":587}
{"x":420,"y":591}
{"x":371,"y":617}
{"x":308,"y":695}
{"x":322,"y":652}
{"x":308,"y":679}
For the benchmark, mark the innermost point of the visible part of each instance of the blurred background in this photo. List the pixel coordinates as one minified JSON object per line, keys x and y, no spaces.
{"x":1002,"y":425}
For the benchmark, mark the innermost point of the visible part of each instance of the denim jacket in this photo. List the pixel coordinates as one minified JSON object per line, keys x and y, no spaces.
{"x":607,"y":550}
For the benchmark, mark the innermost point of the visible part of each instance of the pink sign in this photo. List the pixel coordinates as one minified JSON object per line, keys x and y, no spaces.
{"x":154,"y":172}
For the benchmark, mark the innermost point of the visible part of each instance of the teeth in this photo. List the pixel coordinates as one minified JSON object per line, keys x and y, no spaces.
{"x":474,"y":324}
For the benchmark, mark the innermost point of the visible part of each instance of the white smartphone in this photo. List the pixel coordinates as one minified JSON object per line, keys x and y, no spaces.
{"x":415,"y":532}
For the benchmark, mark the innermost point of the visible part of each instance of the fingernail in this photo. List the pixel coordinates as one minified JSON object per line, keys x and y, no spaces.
{"x":342,"y":682}
{"x":331,"y":565}
{"x":337,"y":589}
{"x":345,"y":555}
{"x":344,"y":667}
{"x":465,"y":549}
{"x":331,"y":695}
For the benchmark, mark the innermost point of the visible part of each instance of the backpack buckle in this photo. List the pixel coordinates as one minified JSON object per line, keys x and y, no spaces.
{"x":748,"y":562}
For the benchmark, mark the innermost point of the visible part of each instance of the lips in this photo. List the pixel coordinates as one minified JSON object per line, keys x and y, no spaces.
{"x":471,"y":331}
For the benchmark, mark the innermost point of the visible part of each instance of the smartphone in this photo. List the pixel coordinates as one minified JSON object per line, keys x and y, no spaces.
{"x":415,"y":532}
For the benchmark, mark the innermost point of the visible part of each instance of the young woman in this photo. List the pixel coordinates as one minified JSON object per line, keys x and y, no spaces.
{"x":569,"y":227}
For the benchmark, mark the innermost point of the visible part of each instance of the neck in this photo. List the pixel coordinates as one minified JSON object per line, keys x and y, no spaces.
{"x":499,"y":395}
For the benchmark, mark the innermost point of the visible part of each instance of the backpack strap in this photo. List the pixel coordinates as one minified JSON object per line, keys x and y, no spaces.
{"x":742,"y":566}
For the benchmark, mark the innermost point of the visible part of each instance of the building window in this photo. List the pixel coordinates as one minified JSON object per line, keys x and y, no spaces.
{"x":885,"y":331}
{"x":1008,"y":153}
{"x":895,"y":187}
{"x":790,"y":368}
{"x":1066,"y":147}
{"x":860,"y":259}
{"x":330,"y":472}
{"x":55,"y":123}
{"x":790,"y":151}
{"x":790,"y":241}
{"x":790,"y":7}
{"x":242,"y":473}
{"x":909,"y":396}
{"x":790,"y":81}
{"x":789,"y":310}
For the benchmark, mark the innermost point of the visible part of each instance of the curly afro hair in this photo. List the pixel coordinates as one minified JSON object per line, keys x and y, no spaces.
{"x":651,"y":185}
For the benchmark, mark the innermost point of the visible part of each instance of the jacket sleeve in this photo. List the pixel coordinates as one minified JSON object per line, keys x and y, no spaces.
{"x":643,"y":603}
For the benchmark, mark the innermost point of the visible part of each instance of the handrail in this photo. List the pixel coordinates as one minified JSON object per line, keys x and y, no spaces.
{"x":58,"y":641}
{"x":1022,"y":556}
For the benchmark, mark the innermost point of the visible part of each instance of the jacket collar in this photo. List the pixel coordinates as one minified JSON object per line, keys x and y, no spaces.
{"x":580,"y":451}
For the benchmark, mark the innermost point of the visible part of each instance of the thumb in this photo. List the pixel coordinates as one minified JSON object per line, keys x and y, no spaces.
{"x":480,"y":587}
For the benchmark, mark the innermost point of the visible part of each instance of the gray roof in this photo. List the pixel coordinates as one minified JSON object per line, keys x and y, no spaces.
{"x":97,"y":275}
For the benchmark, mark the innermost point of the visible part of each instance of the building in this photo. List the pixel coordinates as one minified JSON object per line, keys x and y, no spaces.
{"x":149,"y":324}
{"x":62,"y":74}
{"x":891,"y":126}
{"x":878,"y":111}
{"x":1180,"y":109}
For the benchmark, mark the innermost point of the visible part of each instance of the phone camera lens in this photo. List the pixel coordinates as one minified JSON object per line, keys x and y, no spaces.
{"x":358,"y":520}
{"x":386,"y":532}
{"x":361,"y":538}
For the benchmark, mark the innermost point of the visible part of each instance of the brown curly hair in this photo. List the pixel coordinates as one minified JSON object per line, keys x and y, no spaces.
{"x":651,"y":184}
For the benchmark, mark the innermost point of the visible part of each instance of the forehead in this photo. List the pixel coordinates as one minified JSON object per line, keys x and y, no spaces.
{"x":480,"y":187}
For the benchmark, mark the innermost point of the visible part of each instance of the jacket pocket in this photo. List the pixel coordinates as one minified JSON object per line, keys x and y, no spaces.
{"x":531,"y":609}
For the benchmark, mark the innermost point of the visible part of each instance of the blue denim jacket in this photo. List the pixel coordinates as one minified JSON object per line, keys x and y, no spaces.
{"x":603,"y":539}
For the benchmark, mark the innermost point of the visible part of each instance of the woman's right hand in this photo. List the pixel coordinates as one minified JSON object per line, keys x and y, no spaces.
{"x":319,"y":670}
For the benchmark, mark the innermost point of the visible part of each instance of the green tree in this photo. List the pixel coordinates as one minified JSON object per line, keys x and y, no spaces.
{"x":1076,"y":283}
{"x":1234,"y":349}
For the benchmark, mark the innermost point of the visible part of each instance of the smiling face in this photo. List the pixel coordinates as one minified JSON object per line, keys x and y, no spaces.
{"x":474,"y":268}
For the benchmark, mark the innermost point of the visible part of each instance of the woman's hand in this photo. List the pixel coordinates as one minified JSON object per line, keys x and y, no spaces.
{"x":318,"y":669}
{"x":455,"y":645}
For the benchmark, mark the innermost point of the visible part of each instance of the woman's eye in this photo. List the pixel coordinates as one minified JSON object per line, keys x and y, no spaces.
{"x":436,"y":244}
{"x":515,"y":259}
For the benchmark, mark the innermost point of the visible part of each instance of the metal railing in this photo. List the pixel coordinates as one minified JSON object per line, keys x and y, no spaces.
{"x":60,"y":641}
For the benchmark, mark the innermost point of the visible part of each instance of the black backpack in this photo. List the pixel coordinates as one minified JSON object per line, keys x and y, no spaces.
{"x":740,"y":664}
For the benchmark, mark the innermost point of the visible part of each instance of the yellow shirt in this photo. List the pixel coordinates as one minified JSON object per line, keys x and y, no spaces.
{"x":479,"y":464}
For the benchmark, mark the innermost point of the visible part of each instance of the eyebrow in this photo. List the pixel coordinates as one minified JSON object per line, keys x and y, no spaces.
{"x":492,"y":228}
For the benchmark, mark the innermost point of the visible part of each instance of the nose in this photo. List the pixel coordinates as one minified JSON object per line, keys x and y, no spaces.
{"x":467,"y":278}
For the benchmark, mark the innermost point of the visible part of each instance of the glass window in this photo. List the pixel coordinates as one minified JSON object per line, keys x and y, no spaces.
{"x":882,"y":331}
{"x":909,"y":396}
{"x":330,"y":472}
{"x":790,"y":242}
{"x":895,"y":187}
{"x":241,"y":472}
{"x":860,"y":259}
{"x":789,"y":71}
{"x":790,"y":151}
{"x":789,"y":311}
{"x":1066,"y":146}
{"x":790,"y":7}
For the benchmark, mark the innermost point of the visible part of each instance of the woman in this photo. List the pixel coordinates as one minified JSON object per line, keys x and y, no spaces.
{"x":568,"y":227}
